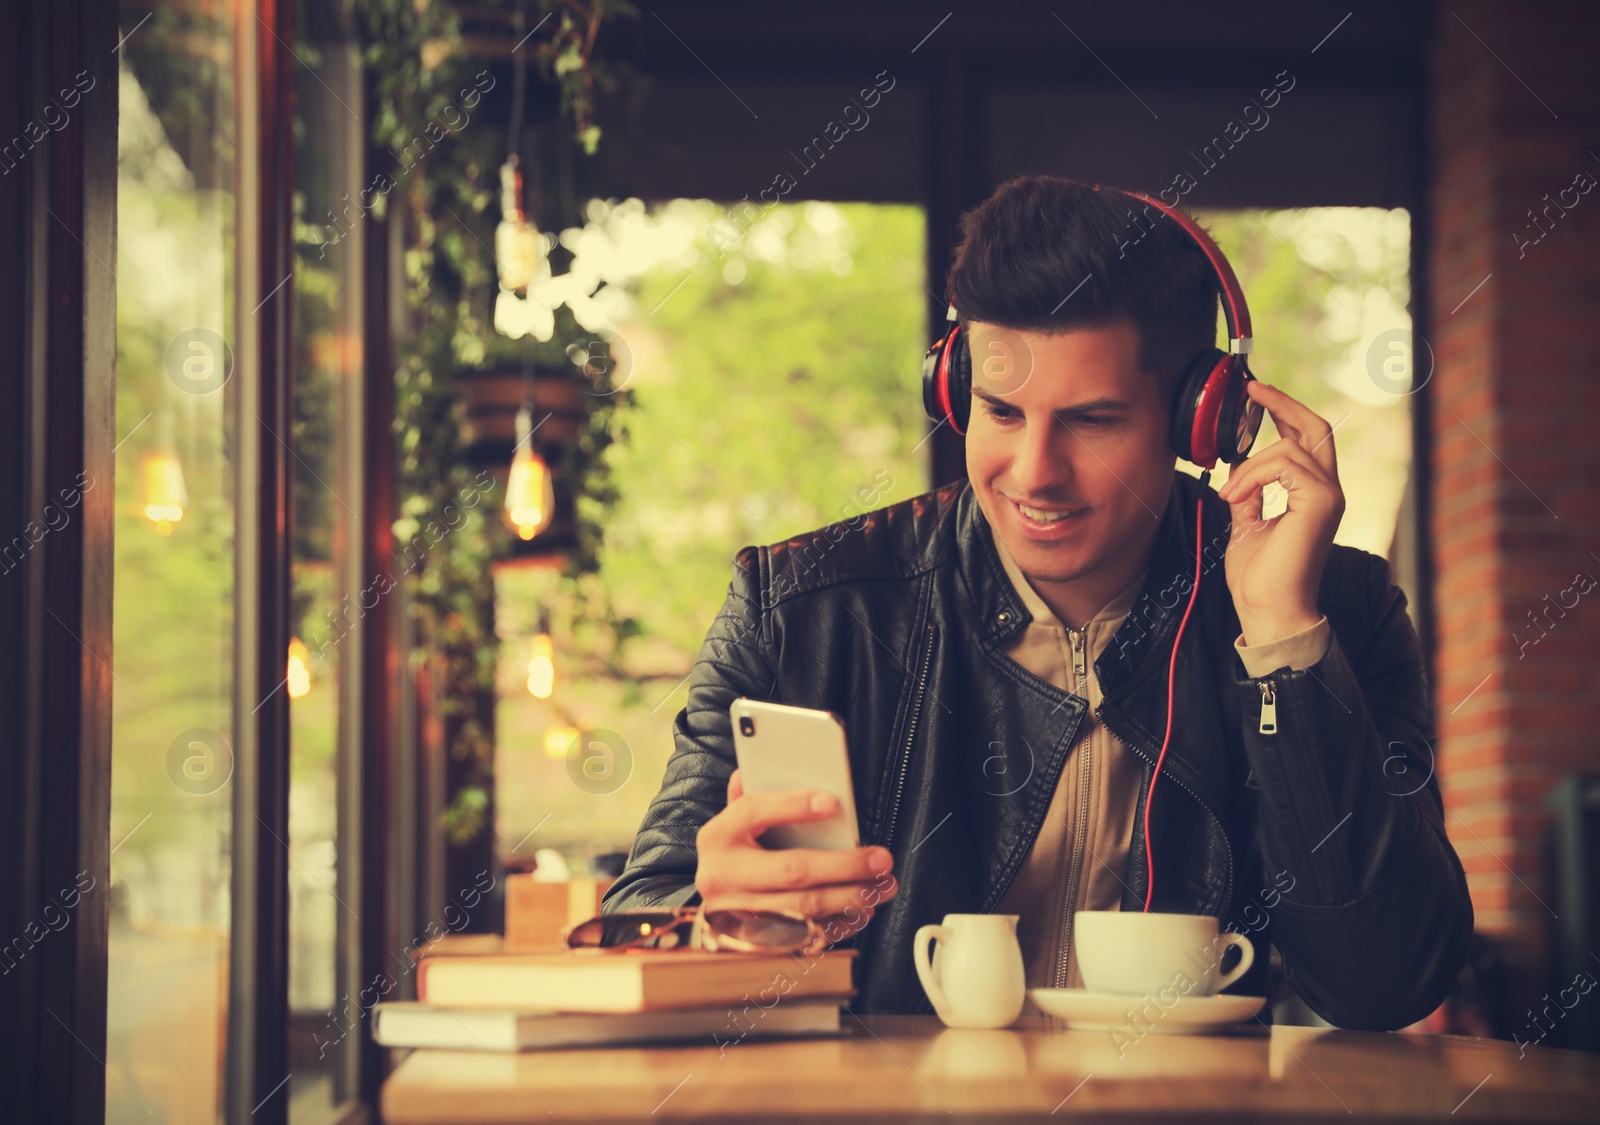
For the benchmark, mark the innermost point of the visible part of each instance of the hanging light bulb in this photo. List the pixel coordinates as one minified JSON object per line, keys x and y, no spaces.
{"x":559,"y":741}
{"x":530,"y":495}
{"x":299,"y":668}
{"x":164,"y":494}
{"x":518,"y":245}
{"x":530,"y":490}
{"x":519,"y":251}
{"x":542,"y":667}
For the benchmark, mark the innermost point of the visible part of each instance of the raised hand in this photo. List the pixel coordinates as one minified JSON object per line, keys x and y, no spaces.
{"x":1274,"y":567}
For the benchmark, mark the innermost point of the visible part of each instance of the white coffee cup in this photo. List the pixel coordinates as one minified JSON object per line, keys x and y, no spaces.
{"x":975,"y":977}
{"x":1133,"y":952}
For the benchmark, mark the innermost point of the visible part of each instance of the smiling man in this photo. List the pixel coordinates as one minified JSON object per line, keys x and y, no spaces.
{"x":1000,"y":652}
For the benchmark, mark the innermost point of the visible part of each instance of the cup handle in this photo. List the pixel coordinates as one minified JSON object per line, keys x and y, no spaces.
{"x":919,"y":952}
{"x":1247,"y":956}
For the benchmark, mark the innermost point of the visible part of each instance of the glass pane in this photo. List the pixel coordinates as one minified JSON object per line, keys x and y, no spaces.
{"x":173,"y":630}
{"x":326,"y":1018}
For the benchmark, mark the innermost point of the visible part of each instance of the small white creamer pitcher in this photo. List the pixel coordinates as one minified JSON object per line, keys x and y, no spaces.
{"x":975,"y":977}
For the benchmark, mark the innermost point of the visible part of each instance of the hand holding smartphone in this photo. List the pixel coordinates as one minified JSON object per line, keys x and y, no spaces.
{"x":787,"y":838}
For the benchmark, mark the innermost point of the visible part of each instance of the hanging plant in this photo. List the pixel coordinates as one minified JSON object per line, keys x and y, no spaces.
{"x":564,"y":61}
{"x":427,"y":87}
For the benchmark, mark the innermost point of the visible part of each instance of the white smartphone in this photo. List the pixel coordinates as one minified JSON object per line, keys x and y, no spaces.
{"x":782,"y":747}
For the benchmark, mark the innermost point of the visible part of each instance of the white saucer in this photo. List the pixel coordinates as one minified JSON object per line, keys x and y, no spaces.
{"x":1084,"y":1010}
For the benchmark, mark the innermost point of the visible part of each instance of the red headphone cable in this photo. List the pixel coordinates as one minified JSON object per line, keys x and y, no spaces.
{"x":1149,"y":859}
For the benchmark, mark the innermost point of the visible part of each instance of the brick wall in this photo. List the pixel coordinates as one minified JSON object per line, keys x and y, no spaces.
{"x":1516,"y":442}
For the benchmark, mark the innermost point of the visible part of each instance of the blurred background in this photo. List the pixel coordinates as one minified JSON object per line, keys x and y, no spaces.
{"x":432,"y":360}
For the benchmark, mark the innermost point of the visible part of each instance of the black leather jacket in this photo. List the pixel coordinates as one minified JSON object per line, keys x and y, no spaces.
{"x":1325,"y":838}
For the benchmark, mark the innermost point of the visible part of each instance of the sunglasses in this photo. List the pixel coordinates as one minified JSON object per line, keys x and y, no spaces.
{"x":690,"y":927}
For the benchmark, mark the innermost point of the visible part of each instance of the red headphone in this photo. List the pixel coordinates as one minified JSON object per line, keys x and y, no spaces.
{"x":1212,"y":418}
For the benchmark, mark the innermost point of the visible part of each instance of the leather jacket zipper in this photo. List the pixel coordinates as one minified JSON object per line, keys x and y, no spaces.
{"x":1080,"y":827}
{"x":1269,"y":708}
{"x":911,"y":734}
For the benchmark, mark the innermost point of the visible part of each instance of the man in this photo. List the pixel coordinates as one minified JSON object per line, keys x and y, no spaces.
{"x":999,"y":652}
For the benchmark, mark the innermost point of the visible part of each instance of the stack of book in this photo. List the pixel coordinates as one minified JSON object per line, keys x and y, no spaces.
{"x":482,"y":996}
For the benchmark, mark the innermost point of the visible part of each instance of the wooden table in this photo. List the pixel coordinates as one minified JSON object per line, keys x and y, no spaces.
{"x":912,"y":1068}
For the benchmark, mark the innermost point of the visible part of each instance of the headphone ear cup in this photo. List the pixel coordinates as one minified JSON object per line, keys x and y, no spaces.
{"x":1239,"y":420}
{"x":930,"y":380}
{"x":947,"y":380}
{"x":1191,"y":389}
{"x":960,"y":383}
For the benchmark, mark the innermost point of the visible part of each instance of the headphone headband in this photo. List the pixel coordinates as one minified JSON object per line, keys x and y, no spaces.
{"x":1212,"y":418}
{"x":1234,"y":309}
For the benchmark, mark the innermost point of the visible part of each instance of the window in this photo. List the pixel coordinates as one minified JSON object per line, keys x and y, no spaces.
{"x":329,"y":597}
{"x":192,"y":604}
{"x":173,"y":616}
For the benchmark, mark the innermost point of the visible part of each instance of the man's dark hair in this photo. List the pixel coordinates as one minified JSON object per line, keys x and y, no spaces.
{"x":1037,"y":238}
